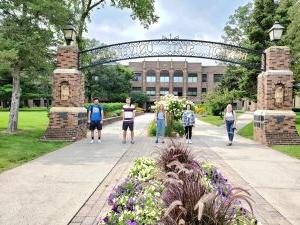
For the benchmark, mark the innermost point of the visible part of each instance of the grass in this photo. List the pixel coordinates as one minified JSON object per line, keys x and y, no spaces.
{"x":215,"y":120}
{"x":247,"y":131}
{"x":25,"y":144}
{"x":291,"y":150}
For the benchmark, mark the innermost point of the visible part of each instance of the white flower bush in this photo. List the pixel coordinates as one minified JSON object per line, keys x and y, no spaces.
{"x":173,"y":105}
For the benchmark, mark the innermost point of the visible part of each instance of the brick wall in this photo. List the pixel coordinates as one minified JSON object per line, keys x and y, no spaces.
{"x":278,"y":58}
{"x":67,"y":57}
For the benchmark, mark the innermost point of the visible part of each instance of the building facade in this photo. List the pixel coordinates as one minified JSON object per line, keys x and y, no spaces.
{"x":181,"y":78}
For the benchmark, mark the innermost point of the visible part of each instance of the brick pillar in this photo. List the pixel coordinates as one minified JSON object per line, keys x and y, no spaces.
{"x":274,"y":120}
{"x":68,"y":117}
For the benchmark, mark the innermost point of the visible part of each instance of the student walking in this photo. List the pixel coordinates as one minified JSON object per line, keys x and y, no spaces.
{"x":188,"y":120}
{"x":95,"y":119}
{"x":230,"y":123}
{"x":160,"y":123}
{"x":128,"y":120}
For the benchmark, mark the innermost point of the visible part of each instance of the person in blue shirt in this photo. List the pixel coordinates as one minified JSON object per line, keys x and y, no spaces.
{"x":95,"y":118}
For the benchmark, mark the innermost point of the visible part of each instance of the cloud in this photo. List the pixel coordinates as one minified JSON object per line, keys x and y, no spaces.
{"x":191,"y":19}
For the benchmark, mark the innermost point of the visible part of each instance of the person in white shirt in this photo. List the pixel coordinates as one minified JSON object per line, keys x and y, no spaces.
{"x":230,"y":123}
{"x":128,"y":120}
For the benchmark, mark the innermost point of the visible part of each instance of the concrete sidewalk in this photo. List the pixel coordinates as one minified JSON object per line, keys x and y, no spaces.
{"x":51,"y":189}
{"x":273,"y":175}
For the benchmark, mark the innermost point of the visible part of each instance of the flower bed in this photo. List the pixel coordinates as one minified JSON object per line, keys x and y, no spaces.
{"x":176,"y":189}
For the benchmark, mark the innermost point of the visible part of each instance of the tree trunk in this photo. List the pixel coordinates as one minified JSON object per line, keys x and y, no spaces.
{"x":15,"y":101}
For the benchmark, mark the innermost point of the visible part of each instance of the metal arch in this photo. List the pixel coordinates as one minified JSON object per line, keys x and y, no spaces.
{"x":167,"y":48}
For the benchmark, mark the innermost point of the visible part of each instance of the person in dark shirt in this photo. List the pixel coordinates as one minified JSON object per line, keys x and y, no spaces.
{"x":95,"y":118}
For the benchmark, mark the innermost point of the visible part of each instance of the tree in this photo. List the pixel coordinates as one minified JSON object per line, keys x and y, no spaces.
{"x":292,"y":37}
{"x":250,"y":29}
{"x":28,"y":29}
{"x":111,"y":83}
{"x":139,"y":97}
{"x":143,"y":10}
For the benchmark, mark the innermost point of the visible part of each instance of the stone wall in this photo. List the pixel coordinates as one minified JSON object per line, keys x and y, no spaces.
{"x":274,"y":120}
{"x":68,"y":117}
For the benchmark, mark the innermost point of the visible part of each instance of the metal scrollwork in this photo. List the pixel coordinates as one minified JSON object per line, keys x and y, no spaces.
{"x":165,"y":47}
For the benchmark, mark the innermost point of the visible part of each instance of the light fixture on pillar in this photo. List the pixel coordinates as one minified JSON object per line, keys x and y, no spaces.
{"x":69,"y":33}
{"x":276,"y":31}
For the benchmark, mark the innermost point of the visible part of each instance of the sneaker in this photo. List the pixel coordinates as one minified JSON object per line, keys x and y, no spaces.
{"x":229,"y":144}
{"x":132,"y":142}
{"x":99,"y":141}
{"x":187,"y":141}
{"x":190,"y":142}
{"x":92,"y":141}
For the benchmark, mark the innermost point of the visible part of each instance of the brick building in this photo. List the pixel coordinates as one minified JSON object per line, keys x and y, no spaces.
{"x":182,"y":78}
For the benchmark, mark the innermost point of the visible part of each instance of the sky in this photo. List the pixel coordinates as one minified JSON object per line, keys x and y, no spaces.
{"x":190,"y":19}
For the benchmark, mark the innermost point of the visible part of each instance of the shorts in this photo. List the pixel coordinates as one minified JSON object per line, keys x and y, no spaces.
{"x":128,"y":124}
{"x":95,"y":125}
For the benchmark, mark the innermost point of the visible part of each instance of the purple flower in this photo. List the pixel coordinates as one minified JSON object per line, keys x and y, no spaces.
{"x":105,"y":219}
{"x":131,"y":222}
{"x":111,"y":198}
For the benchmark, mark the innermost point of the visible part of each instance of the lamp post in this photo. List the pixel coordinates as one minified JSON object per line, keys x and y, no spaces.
{"x":69,"y":33}
{"x":276,"y":31}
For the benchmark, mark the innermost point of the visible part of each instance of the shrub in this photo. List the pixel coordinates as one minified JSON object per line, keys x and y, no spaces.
{"x":109,"y":107}
{"x":174,"y":128}
{"x":152,"y":129}
{"x":175,"y":151}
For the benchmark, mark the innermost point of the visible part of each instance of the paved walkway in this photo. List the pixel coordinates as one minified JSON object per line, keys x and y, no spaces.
{"x":51,"y":189}
{"x":273,"y":176}
{"x":71,"y":185}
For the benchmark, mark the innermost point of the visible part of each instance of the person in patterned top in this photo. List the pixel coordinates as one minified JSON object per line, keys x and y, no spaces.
{"x":188,"y":120}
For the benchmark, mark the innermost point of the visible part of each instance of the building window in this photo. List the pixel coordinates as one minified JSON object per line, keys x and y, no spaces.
{"x":178,"y":76}
{"x":192,"y":92}
{"x":151,"y":76}
{"x":164,"y":76}
{"x":136,"y":89}
{"x":204,"y":77}
{"x":192,"y":78}
{"x":150,"y":91}
{"x":177,"y":91}
{"x":137,"y":77}
{"x":218,"y":77}
{"x":164,"y":91}
{"x":204,"y":90}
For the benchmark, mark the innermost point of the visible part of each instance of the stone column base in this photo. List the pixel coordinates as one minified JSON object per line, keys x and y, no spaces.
{"x":67,"y":124}
{"x":275,"y":127}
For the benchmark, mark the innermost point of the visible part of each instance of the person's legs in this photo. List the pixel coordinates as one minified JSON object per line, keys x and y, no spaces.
{"x":99,"y":128}
{"x":158,"y":130}
{"x":124,"y":128}
{"x":190,"y":132}
{"x":163,"y":127}
{"x":186,"y":132}
{"x":92,"y":129}
{"x":229,"y":126}
{"x":131,"y":127}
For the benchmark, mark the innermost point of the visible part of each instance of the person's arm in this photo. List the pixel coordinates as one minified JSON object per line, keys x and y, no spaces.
{"x":102,"y":115}
{"x":133,"y":113}
{"x":89,"y":115}
{"x":123,"y":114}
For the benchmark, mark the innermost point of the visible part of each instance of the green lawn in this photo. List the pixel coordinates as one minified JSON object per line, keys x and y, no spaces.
{"x":25,"y":145}
{"x":215,"y":120}
{"x":291,"y":150}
